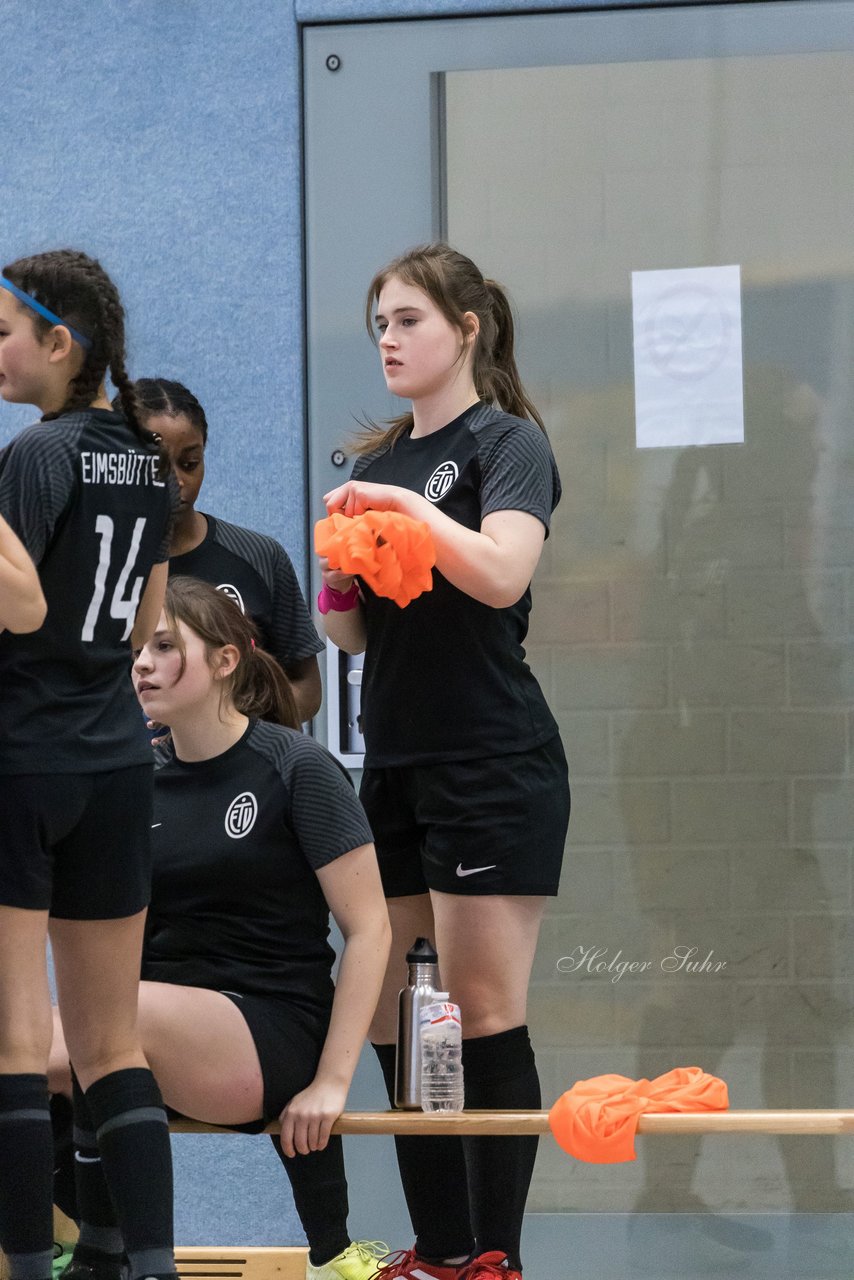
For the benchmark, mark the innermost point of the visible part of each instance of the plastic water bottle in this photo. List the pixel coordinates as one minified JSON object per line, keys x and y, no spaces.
{"x":441,"y":1056}
{"x":419,"y":991}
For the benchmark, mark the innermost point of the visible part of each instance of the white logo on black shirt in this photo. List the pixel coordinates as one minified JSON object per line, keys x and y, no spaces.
{"x":441,"y":480}
{"x":241,"y":815}
{"x":233,"y":594}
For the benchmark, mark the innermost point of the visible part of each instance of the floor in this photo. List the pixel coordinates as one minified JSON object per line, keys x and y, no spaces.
{"x":667,"y":1246}
{"x":224,"y":1196}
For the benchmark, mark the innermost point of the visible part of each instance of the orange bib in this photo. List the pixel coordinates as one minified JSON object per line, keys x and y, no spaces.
{"x":392,"y":553}
{"x":597,"y":1119}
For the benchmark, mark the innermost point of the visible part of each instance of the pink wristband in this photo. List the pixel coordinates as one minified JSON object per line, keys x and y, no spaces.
{"x":337,"y":601}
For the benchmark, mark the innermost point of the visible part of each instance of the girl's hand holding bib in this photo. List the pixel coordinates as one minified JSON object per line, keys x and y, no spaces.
{"x":391,"y":552}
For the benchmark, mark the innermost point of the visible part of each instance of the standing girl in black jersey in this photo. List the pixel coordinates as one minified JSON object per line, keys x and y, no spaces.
{"x":89,"y":495}
{"x":465,"y":781}
{"x":252,"y":568}
{"x":258,"y":834}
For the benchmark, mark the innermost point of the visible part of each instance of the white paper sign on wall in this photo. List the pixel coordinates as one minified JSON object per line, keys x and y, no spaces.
{"x":687,"y":347}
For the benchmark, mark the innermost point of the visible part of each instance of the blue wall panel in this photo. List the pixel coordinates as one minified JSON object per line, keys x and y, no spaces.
{"x":163,"y":138}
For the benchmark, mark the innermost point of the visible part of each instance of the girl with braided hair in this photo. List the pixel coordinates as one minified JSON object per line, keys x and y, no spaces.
{"x":251,"y":568}
{"x":91,"y":498}
{"x":465,"y":780}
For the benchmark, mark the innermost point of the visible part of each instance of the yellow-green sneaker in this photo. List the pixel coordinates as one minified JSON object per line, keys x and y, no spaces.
{"x":61,"y":1257}
{"x":357,"y":1262}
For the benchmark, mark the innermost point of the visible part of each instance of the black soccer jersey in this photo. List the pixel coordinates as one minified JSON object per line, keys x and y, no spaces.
{"x":236,"y":905}
{"x":83,"y":494}
{"x":255,"y":571}
{"x":446,"y":678}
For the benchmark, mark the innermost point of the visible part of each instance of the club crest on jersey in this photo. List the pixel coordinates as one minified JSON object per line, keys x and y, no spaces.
{"x":241,"y":815}
{"x":233,"y":594}
{"x":441,"y":480}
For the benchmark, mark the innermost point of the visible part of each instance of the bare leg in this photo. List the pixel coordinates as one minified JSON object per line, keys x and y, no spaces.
{"x":58,"y":1065}
{"x":411,"y":918}
{"x":97,"y":979}
{"x":198,"y":1046}
{"x":201,"y":1052}
{"x":24,"y":992}
{"x":486,"y":946}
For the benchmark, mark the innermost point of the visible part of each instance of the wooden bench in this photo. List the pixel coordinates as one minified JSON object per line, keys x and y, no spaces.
{"x":537,"y":1122}
{"x":288,"y":1263}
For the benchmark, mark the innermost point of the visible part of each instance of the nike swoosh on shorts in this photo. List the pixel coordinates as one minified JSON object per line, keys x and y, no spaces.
{"x":472,"y":871}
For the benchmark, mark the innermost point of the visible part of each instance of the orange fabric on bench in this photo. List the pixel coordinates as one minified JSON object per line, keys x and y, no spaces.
{"x":597,"y":1119}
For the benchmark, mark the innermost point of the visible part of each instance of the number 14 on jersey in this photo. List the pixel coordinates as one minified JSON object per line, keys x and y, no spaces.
{"x":121,"y":606}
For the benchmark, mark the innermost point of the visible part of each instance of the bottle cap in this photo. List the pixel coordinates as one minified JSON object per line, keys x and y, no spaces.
{"x":421,"y":952}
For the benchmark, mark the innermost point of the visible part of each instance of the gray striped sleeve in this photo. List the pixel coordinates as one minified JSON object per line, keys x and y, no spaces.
{"x":255,"y":548}
{"x":326,"y":815}
{"x":364,"y":460}
{"x":38,"y":473}
{"x":518,"y":470}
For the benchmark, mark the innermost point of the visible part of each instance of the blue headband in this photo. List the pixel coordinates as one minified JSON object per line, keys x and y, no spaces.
{"x":30,"y":302}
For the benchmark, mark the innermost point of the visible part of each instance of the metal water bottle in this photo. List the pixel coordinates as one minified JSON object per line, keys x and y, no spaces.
{"x":420,"y":990}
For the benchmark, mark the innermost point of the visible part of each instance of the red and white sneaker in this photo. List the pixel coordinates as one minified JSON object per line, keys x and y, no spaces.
{"x":490,"y":1266}
{"x":406,"y":1265}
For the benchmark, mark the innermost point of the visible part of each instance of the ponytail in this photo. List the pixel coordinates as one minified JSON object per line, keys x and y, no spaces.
{"x":496,"y":375}
{"x":258,"y":687}
{"x":261,"y":689}
{"x":455,"y":285}
{"x":77,"y":287}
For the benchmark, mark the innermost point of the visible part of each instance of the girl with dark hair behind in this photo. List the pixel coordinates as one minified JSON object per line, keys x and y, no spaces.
{"x":258,"y":835}
{"x":91,"y":499}
{"x":253,"y":569}
{"x":465,"y":781}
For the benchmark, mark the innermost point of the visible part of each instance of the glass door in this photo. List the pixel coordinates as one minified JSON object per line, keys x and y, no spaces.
{"x":693,"y":611}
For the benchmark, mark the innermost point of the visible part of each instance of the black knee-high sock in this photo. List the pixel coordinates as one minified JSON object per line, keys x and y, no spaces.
{"x":433,"y":1174}
{"x":100,"y":1244}
{"x":26,"y":1176}
{"x":62,"y":1123}
{"x":319,"y":1187}
{"x":130,"y":1122}
{"x":500,"y":1073}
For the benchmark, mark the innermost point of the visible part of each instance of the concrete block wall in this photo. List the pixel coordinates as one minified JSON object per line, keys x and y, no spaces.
{"x":704,"y":695}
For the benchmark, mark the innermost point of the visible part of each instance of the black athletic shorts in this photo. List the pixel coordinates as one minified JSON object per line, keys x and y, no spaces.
{"x":493,"y":826}
{"x":78,"y":844}
{"x":289,"y":1042}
